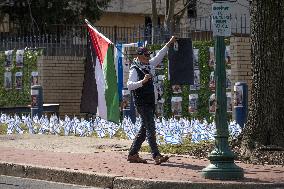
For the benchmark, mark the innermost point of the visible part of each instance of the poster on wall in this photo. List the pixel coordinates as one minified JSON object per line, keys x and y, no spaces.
{"x":176,"y":89}
{"x":228,"y":55}
{"x":212,"y":103}
{"x":228,"y":79}
{"x":176,"y":105}
{"x":160,"y":89}
{"x":196,"y":85}
{"x":20,"y":58}
{"x":8,"y":80}
{"x":8,"y":58}
{"x":34,"y":98}
{"x":212,"y":83}
{"x":238,"y":95}
{"x":229,"y":101}
{"x":180,"y":65}
{"x":160,"y":107}
{"x":34,"y":78}
{"x":18,"y":80}
{"x":211,"y":57}
{"x":126,"y":98}
{"x":195,"y":58}
{"x":192,"y":107}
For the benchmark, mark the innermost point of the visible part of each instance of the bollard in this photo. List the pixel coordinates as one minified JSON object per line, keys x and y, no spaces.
{"x":36,"y":101}
{"x":240,"y":109}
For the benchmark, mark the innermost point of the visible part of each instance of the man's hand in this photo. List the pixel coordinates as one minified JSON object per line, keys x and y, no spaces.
{"x":171,"y":41}
{"x":147,"y":77}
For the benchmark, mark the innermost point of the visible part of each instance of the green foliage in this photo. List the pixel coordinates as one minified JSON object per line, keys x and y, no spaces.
{"x":185,"y":101}
{"x":3,"y":129}
{"x":120,"y":134}
{"x":203,"y":93}
{"x":34,"y":15}
{"x":167,"y":92}
{"x":16,"y":97}
{"x":205,"y":70}
{"x":187,"y":147}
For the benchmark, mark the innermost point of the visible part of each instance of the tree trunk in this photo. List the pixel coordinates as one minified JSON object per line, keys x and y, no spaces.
{"x":169,"y":17}
{"x":265,"y":125}
{"x":154,"y":21}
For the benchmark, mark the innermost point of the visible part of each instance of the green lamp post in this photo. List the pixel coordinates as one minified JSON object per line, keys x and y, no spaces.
{"x":222,"y":166}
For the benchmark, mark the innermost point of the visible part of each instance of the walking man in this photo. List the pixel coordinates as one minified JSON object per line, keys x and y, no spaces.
{"x":140,"y":83}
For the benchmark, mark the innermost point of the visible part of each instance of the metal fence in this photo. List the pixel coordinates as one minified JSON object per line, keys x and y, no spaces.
{"x":67,"y":40}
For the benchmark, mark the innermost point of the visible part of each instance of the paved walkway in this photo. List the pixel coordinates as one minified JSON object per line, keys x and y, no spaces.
{"x":35,"y":156}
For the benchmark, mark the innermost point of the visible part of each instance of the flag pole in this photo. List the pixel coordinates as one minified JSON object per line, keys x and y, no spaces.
{"x":129,"y":58}
{"x":87,"y":21}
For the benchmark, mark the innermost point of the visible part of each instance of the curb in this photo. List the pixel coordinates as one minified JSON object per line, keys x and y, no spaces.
{"x":134,"y":183}
{"x":57,"y":175}
{"x":117,"y":181}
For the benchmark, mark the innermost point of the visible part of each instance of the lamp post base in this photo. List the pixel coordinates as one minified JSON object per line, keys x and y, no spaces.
{"x":223,"y":170}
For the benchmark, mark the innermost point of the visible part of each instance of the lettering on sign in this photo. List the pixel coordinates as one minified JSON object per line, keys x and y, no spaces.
{"x":221,"y":19}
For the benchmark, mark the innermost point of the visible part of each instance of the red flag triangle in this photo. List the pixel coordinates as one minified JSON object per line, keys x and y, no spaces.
{"x":100,"y":43}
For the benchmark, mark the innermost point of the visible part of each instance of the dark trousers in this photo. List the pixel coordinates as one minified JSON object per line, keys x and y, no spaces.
{"x":147,"y":129}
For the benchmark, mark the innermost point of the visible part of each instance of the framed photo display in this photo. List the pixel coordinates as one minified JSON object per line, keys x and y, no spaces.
{"x":19,"y":80}
{"x":196,"y":85}
{"x":20,"y":58}
{"x":8,"y":58}
{"x":195,"y":58}
{"x":8,"y":80}
{"x":212,"y":104}
{"x":192,"y":106}
{"x":176,"y":89}
{"x":176,"y":105}
{"x":211,"y":57}
{"x":229,"y":102}
{"x":34,"y":78}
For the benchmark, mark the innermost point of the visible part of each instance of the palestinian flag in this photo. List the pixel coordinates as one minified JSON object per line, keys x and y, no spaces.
{"x":105,"y":74}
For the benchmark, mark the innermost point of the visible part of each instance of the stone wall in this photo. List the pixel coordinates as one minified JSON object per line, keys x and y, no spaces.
{"x":241,"y":61}
{"x":62,"y":82}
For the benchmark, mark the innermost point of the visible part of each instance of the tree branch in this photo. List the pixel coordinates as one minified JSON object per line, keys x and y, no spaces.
{"x":183,"y":9}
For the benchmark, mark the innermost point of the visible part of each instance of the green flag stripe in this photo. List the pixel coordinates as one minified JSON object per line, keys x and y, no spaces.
{"x":111,"y":90}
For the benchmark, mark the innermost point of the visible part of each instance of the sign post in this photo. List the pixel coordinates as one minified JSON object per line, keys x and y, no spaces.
{"x":222,"y":166}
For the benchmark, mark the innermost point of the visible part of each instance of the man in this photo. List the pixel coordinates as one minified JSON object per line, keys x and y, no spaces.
{"x":140,"y":83}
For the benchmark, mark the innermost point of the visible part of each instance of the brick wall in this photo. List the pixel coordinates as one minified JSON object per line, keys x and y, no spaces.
{"x":62,"y":77}
{"x":241,"y":61}
{"x":62,"y":81}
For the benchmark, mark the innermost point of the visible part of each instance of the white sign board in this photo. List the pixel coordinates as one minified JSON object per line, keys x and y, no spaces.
{"x":221,"y":19}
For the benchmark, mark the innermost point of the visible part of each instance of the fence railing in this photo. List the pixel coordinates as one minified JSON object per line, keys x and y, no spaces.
{"x":67,"y":40}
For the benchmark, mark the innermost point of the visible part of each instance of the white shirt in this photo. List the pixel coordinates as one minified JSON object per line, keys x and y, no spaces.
{"x":133,"y":82}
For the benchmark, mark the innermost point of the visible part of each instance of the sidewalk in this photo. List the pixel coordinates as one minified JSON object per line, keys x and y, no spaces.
{"x":102,"y":163}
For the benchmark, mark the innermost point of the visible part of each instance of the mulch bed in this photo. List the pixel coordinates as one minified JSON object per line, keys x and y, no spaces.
{"x":263,"y":155}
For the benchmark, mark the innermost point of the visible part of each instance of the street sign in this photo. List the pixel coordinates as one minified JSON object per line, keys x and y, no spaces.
{"x":221,"y":19}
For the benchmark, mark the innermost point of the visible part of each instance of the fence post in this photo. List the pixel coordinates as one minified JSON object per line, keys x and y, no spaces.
{"x":115,"y":34}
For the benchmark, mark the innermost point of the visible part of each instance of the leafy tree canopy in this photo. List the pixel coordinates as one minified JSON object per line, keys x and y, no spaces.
{"x":39,"y":14}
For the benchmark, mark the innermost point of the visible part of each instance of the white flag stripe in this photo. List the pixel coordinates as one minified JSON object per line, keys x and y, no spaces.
{"x":100,"y":80}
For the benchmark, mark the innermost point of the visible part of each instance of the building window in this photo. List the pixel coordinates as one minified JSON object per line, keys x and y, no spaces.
{"x":191,"y":9}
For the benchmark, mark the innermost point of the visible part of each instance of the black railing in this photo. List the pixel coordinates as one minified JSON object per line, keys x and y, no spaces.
{"x":67,"y":40}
